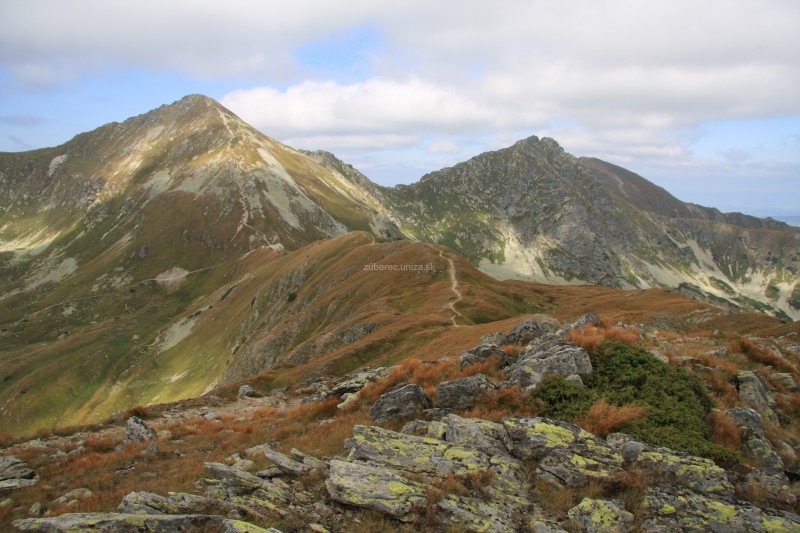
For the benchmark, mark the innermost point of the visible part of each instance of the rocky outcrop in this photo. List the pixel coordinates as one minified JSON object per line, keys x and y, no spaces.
{"x":14,"y":475}
{"x":549,"y":356}
{"x":527,"y":331}
{"x":137,"y":523}
{"x":137,"y":431}
{"x":463,"y":393}
{"x":754,"y":392}
{"x":481,"y":353}
{"x":768,"y":475}
{"x":456,"y":473}
{"x":402,"y":402}
{"x":247,"y":391}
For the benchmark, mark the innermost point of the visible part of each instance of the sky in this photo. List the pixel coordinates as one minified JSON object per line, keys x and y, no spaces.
{"x":702,"y":98}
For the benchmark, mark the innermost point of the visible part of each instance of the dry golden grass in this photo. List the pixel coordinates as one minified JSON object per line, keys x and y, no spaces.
{"x":591,"y":337}
{"x":764,"y":356}
{"x":789,"y":405}
{"x":501,"y":403}
{"x":604,"y":418}
{"x":724,"y":431}
{"x":723,"y":390}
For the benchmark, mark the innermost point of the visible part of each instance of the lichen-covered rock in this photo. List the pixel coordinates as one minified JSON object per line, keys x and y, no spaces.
{"x":577,"y":469}
{"x":73,"y":495}
{"x":755,"y":443}
{"x":488,"y":437}
{"x":586,"y":320}
{"x":474,"y":514}
{"x":425,"y":428}
{"x":376,"y":488}
{"x":463,"y":393}
{"x":754,"y":391}
{"x":137,"y":431}
{"x":287,"y":464}
{"x":135,"y":523}
{"x":547,"y":357}
{"x":357,"y":381}
{"x":601,"y":516}
{"x":535,"y":437}
{"x":500,"y":499}
{"x":15,"y":475}
{"x":234,"y":480}
{"x":679,"y":469}
{"x":10,"y":485}
{"x":413,"y":454}
{"x":543,"y":526}
{"x":688,"y":511}
{"x":527,"y":331}
{"x":147,"y":503}
{"x":402,"y":402}
{"x":481,"y":353}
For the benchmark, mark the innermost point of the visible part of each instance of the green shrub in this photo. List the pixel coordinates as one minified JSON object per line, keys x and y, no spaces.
{"x":676,"y":402}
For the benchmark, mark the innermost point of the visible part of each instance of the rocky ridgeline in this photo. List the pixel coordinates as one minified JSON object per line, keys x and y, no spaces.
{"x":444,"y":471}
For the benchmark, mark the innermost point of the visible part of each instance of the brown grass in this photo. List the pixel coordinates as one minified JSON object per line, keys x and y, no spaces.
{"x":762,"y":355}
{"x":501,"y":403}
{"x":723,"y":391}
{"x":590,"y":338}
{"x":100,"y":443}
{"x":789,"y":405}
{"x":604,"y":418}
{"x":724,"y":431}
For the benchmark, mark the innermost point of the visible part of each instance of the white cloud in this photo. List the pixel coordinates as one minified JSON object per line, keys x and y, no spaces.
{"x":373,"y":106}
{"x":628,"y":81}
{"x":444,"y":146}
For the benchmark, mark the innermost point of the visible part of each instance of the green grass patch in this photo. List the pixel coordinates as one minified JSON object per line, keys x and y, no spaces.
{"x":676,"y":402}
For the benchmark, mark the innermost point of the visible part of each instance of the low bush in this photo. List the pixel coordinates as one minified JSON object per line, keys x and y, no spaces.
{"x":676,"y":403}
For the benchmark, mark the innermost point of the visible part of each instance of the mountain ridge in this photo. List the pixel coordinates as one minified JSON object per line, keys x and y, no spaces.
{"x":156,"y":258}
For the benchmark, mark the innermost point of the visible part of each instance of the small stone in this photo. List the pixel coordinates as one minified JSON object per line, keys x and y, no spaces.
{"x":137,"y":431}
{"x":631,"y":451}
{"x":36,"y":509}
{"x":481,"y":353}
{"x":246,"y":391}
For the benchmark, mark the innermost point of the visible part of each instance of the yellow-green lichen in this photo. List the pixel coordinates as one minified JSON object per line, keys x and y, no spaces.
{"x":556,"y":436}
{"x":246,"y":527}
{"x":724,"y":512}
{"x":776,"y":525}
{"x":395,"y":487}
{"x":667,"y":509}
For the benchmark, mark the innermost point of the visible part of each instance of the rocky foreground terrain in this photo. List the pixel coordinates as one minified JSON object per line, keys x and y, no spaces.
{"x":549,"y":426}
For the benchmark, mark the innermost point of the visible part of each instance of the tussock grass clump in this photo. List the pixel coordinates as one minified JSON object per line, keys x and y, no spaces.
{"x":590,"y":338}
{"x":604,"y":418}
{"x":762,"y":355}
{"x":724,"y":431}
{"x":499,"y":404}
{"x":789,"y":404}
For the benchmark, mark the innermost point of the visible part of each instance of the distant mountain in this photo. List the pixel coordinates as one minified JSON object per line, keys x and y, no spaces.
{"x":533,"y":211}
{"x":792,"y":220}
